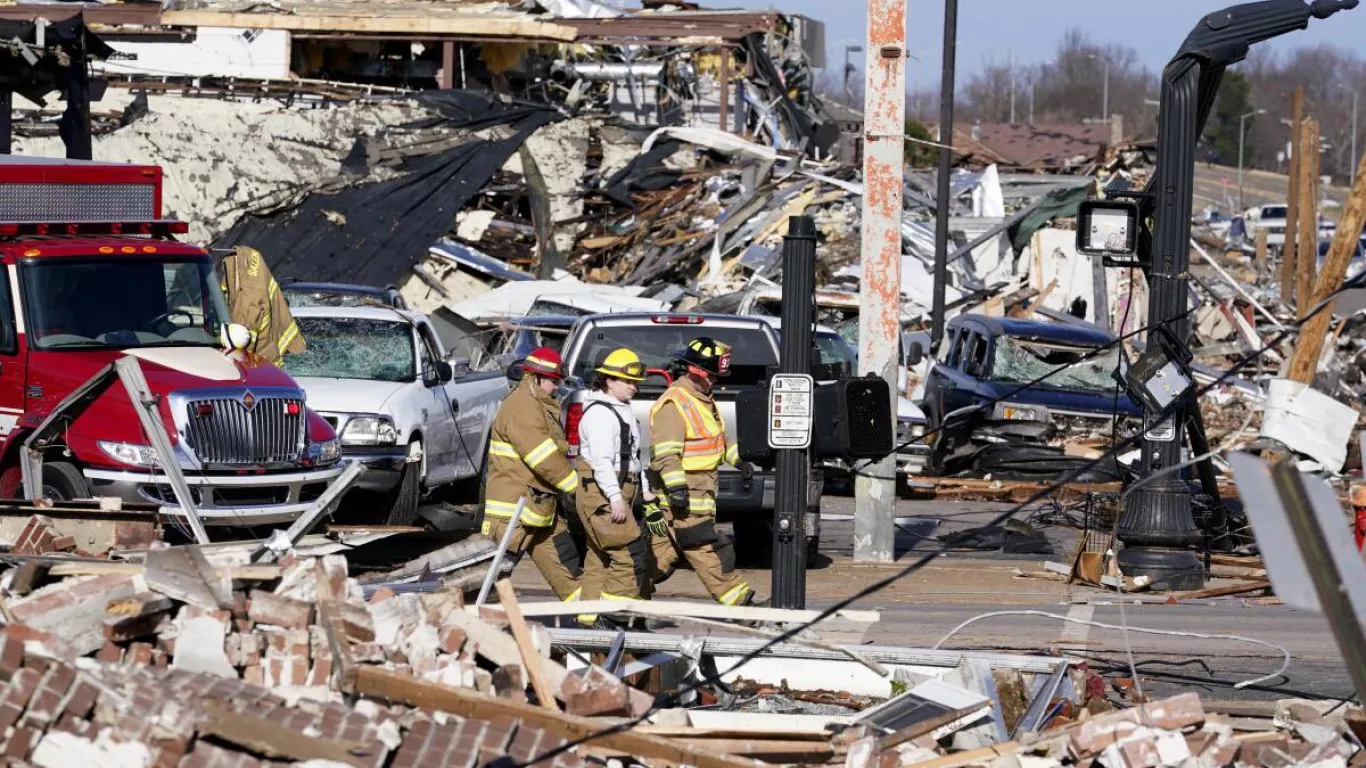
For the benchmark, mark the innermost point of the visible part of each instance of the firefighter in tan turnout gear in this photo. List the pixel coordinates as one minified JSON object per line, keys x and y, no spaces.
{"x":687,"y":445}
{"x":617,"y":563}
{"x":527,"y":458}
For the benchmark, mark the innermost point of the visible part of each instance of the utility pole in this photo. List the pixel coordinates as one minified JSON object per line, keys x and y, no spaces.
{"x":849,"y":69}
{"x":1353,"y":178}
{"x":884,"y":129}
{"x":793,"y":464}
{"x":1292,"y":201}
{"x":1012,"y":90}
{"x":942,"y":203}
{"x":1105,"y":92}
{"x":1031,"y":99}
{"x":1307,"y":266}
{"x":1242,"y":130}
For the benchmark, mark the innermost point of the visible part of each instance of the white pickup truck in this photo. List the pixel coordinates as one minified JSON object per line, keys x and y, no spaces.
{"x":747,"y":502}
{"x":417,"y":418}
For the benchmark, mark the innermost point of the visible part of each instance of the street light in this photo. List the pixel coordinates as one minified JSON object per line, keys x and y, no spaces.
{"x":1354,"y":132}
{"x":1242,"y":130}
{"x":849,"y":69}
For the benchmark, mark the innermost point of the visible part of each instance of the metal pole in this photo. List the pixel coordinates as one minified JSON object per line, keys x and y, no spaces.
{"x":880,"y":251}
{"x":793,"y":464}
{"x":1242,"y":129}
{"x":1012,"y":90}
{"x":1105,"y":93}
{"x":492,"y":575}
{"x":1354,"y":139}
{"x":942,"y":201}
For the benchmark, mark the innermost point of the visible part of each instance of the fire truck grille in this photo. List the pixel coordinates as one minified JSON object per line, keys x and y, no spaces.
{"x":77,"y":202}
{"x":225,"y":431}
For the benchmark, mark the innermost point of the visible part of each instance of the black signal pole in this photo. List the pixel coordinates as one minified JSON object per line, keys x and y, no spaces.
{"x":793,"y":464}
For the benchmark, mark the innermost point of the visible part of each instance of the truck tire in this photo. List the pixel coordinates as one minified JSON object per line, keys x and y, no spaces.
{"x":404,"y":499}
{"x":62,"y":481}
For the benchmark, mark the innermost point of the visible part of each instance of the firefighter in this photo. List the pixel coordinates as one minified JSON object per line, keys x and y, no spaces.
{"x":687,"y":445}
{"x":255,"y":301}
{"x":527,"y":460}
{"x":617,"y":563}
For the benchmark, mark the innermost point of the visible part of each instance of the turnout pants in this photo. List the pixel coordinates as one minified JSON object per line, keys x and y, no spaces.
{"x":551,"y":548}
{"x":617,"y":563}
{"x":693,"y":536}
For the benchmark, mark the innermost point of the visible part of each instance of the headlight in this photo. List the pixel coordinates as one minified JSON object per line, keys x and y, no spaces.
{"x":326,"y":452}
{"x":1017,"y":412}
{"x":130,"y":453}
{"x":370,"y":430}
{"x":917,"y":430}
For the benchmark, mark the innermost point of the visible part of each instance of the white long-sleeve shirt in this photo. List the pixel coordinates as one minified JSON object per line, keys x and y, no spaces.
{"x":600,"y":441}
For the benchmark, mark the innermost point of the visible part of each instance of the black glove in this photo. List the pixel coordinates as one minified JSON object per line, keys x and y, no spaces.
{"x":654,"y":520}
{"x":746,"y":469}
{"x":678,"y":502}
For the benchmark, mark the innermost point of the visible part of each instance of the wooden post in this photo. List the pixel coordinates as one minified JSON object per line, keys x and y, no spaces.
{"x":447,"y":65}
{"x":1292,"y":202}
{"x":1309,"y":346}
{"x":1260,"y":259}
{"x":1307,"y":244}
{"x":530,"y":658}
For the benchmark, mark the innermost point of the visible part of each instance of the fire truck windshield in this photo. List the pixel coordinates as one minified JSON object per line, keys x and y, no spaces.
{"x":121,"y":302}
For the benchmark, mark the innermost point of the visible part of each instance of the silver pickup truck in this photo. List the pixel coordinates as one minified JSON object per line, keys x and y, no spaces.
{"x":748,"y":504}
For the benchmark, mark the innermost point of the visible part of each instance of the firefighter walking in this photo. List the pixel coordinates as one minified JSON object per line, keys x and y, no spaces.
{"x":617,"y":564}
{"x":687,"y":445}
{"x":527,"y":459}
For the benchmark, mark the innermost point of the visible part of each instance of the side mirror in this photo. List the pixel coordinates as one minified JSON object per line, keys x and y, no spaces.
{"x":436,"y":373}
{"x":460,"y":366}
{"x":1107,"y":228}
{"x":914,"y":355}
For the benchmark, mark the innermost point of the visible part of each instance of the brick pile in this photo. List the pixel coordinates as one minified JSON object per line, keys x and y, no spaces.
{"x":107,"y":665}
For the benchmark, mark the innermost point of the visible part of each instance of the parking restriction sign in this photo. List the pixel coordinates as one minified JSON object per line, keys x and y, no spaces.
{"x":790,"y":410}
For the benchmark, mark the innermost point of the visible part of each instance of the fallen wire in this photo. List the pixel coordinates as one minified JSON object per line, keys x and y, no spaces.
{"x":1280,"y":671}
{"x":877,"y":586}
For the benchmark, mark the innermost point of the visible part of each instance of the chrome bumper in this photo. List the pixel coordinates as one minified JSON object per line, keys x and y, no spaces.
{"x":229,"y":500}
{"x":383,"y":467}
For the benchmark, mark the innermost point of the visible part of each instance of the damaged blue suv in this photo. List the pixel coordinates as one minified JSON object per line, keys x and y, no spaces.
{"x":982,"y":425}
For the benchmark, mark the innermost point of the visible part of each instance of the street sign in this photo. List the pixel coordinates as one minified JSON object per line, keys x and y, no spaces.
{"x":790,"y":408}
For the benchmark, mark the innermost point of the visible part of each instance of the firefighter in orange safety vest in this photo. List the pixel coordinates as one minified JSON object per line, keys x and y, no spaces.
{"x":527,"y":459}
{"x":687,"y":445}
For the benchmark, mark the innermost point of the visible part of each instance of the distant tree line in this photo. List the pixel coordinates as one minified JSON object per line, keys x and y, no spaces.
{"x":1070,"y":89}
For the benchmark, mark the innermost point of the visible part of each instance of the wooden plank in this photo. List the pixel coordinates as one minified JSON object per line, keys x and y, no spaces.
{"x":1292,"y":201}
{"x":673,"y":608}
{"x":427,"y":24}
{"x":1235,"y":589}
{"x":1309,"y":344}
{"x":1308,"y":241}
{"x":499,"y":647}
{"x":1259,"y":258}
{"x":270,"y":739}
{"x":924,"y":727}
{"x":531,"y":660}
{"x":769,"y":750}
{"x":394,"y":687}
{"x":983,"y":756}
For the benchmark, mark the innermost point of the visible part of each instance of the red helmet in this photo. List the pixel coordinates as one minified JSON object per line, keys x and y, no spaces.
{"x":544,"y":361}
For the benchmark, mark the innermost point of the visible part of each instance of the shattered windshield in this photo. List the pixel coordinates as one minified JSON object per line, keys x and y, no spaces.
{"x":354,"y":348}
{"x":122,"y":302}
{"x":1021,"y":360}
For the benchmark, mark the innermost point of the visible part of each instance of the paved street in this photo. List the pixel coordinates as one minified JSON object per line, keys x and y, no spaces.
{"x":920,"y":609}
{"x":1218,"y":185}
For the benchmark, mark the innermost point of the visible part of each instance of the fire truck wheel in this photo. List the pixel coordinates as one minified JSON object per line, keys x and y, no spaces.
{"x":404,"y":499}
{"x":63,"y":482}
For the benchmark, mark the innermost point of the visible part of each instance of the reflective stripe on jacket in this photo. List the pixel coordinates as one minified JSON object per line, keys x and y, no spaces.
{"x":703,"y":447}
{"x":527,"y":457}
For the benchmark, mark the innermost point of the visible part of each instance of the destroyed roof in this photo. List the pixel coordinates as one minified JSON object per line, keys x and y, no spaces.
{"x":1034,"y":145}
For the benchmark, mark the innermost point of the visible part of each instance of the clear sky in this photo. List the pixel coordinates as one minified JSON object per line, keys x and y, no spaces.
{"x":1029,"y":29}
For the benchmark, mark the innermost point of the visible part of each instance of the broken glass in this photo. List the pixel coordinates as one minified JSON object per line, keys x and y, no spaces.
{"x":1067,"y":367}
{"x":354,"y":348}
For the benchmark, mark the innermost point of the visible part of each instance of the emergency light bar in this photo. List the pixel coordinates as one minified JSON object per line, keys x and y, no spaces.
{"x":160,"y":228}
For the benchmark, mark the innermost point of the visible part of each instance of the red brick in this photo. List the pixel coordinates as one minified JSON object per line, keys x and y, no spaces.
{"x":82,"y":699}
{"x":27,"y":577}
{"x":334,"y":571}
{"x":1093,"y":736}
{"x":20,"y":743}
{"x":368,"y":653}
{"x":357,"y":624}
{"x":63,"y":544}
{"x":452,"y":639}
{"x":509,"y":682}
{"x":121,"y":629}
{"x":596,"y":693}
{"x":268,"y":608}
{"x":381,"y":594}
{"x":139,"y":654}
{"x":35,"y":538}
{"x":45,"y":600}
{"x":11,"y":655}
{"x":110,"y":653}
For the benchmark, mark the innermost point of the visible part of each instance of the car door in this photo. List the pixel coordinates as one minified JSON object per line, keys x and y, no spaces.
{"x":438,"y":416}
{"x":12,"y":381}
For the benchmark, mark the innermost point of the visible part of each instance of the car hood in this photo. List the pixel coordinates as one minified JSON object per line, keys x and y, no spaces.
{"x":1064,"y":399}
{"x":349,"y":395}
{"x":908,"y":411}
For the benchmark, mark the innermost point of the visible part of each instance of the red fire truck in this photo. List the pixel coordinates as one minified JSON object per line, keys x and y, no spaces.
{"x":91,"y":272}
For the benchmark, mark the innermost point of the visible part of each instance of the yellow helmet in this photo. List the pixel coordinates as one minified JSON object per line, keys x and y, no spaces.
{"x":623,"y":364}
